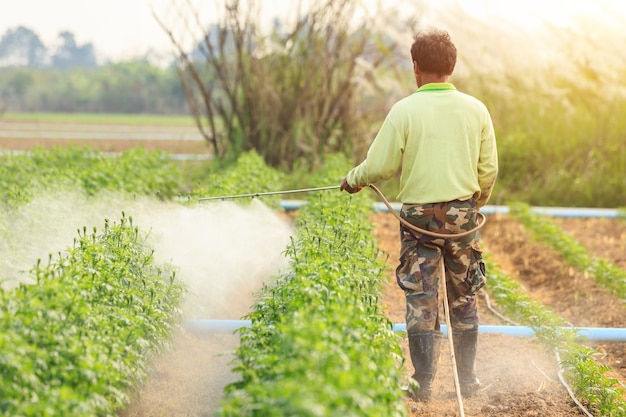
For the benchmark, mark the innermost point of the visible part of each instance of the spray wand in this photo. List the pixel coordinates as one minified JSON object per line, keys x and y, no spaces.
{"x":481,"y":217}
{"x":302,"y":190}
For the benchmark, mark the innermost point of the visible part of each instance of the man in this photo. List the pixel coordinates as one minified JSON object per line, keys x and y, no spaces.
{"x":445,"y":143}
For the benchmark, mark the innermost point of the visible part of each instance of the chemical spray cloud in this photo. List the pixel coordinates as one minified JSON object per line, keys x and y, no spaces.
{"x":223,"y":252}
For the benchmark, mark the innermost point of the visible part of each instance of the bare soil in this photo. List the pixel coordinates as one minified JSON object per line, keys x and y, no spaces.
{"x":520,"y":376}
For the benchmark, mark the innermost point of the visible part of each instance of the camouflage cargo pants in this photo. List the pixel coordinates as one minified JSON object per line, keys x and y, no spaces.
{"x":419,"y":270}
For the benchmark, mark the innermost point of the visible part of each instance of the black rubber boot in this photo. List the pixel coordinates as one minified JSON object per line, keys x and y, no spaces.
{"x":424,"y":346}
{"x":465,"y":343}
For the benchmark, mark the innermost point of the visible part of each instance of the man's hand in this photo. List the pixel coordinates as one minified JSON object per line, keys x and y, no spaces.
{"x":346,"y":187}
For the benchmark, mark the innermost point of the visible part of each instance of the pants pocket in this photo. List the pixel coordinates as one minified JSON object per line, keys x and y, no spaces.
{"x":408,"y":273}
{"x":476,"y":273}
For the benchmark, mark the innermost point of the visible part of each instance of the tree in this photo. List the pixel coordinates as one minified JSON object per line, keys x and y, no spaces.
{"x":293,"y":95}
{"x":22,"y":47}
{"x":71,"y":55}
{"x":14,"y":86}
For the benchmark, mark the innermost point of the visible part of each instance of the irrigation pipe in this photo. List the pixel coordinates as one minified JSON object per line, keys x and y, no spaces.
{"x":571,"y":212}
{"x":592,"y":334}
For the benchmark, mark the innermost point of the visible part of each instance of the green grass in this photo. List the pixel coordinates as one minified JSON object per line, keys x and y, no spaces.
{"x":101,"y":118}
{"x":557,"y":149}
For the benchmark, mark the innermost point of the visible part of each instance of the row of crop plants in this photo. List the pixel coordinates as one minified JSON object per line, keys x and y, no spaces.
{"x":320,"y":343}
{"x":138,"y":172}
{"x":600,"y":393}
{"x":75,"y":342}
{"x":78,"y":339}
{"x":605,"y":272}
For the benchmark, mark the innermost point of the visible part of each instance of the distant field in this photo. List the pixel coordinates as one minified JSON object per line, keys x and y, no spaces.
{"x":99,"y":118}
{"x":103,"y":132}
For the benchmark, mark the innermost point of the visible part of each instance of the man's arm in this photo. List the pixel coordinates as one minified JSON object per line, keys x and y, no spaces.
{"x":487,"y":163}
{"x":383,"y":157}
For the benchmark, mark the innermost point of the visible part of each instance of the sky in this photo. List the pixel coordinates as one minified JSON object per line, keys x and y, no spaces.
{"x":117,"y":28}
{"x":122,"y":29}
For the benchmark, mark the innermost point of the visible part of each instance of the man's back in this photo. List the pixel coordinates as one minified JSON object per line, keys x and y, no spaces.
{"x":445,"y":143}
{"x":447,"y":135}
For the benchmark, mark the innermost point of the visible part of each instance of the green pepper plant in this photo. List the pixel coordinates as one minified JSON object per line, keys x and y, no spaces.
{"x":320,"y":343}
{"x":78,"y":340}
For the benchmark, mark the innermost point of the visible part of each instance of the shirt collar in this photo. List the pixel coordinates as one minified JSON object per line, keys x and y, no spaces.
{"x":437,"y":87}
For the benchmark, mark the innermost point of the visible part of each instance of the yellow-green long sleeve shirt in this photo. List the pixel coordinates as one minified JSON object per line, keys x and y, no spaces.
{"x":445,"y":143}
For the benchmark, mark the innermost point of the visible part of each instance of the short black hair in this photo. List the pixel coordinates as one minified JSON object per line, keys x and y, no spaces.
{"x":434,"y":52}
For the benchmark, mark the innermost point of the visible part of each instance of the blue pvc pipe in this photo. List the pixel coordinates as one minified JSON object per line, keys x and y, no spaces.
{"x":597,"y":334}
{"x":291,"y":205}
{"x":560,"y":211}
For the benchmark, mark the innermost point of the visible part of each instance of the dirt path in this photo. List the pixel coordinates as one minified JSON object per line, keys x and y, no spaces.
{"x":107,"y":145}
{"x":573,"y":295}
{"x":521,"y":376}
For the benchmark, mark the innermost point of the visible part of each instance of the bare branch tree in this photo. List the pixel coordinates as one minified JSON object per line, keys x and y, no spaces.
{"x":290,"y":93}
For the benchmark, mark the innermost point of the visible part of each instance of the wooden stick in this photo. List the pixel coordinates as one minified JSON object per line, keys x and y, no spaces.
{"x":446,"y":309}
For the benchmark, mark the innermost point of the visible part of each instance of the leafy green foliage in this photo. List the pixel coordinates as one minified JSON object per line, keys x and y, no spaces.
{"x":604,"y":271}
{"x":133,"y":86}
{"x":134,"y":172}
{"x":248,"y":175}
{"x":603,"y":392}
{"x":320,"y":343}
{"x":75,"y":342}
